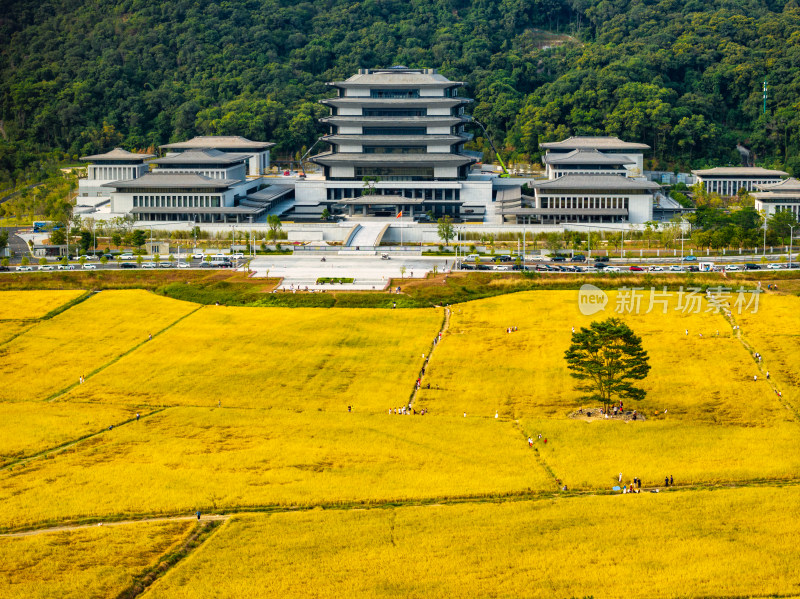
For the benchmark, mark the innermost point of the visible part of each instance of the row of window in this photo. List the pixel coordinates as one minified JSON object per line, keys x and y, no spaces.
{"x":394,"y":171}
{"x":590,"y":203}
{"x":394,"y":112}
{"x":394,"y":93}
{"x":395,"y":150}
{"x":159,"y":201}
{"x":394,"y":131}
{"x":339,"y":193}
{"x":732,"y":187}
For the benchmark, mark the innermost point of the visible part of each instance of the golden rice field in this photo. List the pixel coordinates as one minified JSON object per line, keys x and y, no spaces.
{"x":523,"y":374}
{"x":275,"y":357}
{"x":54,"y":354}
{"x":184,"y":459}
{"x":591,"y":455}
{"x":647,"y":545}
{"x":86,"y":562}
{"x":26,"y":305}
{"x":774,"y":332}
{"x":370,"y":504}
{"x":30,"y":427}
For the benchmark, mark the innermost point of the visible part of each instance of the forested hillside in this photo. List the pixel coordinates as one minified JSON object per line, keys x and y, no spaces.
{"x":683,"y":76}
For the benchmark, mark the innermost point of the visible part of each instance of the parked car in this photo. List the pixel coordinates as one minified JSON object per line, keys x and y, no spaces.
{"x":578,"y":258}
{"x":108,"y":256}
{"x":47,"y":267}
{"x":26,"y":268}
{"x":150,"y":265}
{"x":676,"y":268}
{"x":772,"y":266}
{"x":4,"y":268}
{"x":166,"y":265}
{"x":198,"y":256}
{"x":127,"y":265}
{"x":636,"y":268}
{"x":611,"y":269}
{"x":558,"y":259}
{"x":89,"y":267}
{"x":127,"y":257}
{"x":183,"y":265}
{"x":601,"y":259}
{"x":693,"y":268}
{"x":206,"y":265}
{"x":732,"y":267}
{"x":237,"y":256}
{"x":502,"y":267}
{"x":600,"y":265}
{"x":690,"y":258}
{"x":656,"y":269}
{"x":66,"y":267}
{"x":483,"y":267}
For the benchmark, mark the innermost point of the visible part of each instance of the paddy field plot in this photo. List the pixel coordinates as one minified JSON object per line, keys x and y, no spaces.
{"x":27,"y":428}
{"x":677,"y":544}
{"x":54,"y":354}
{"x":774,"y":332}
{"x":27,"y":305}
{"x":480,"y":368}
{"x":11,"y":328}
{"x":184,"y":459}
{"x":86,"y":562}
{"x":303,"y":359}
{"x":591,"y":455}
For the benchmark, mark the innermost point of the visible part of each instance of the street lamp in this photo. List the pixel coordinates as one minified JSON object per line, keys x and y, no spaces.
{"x":791,"y":244}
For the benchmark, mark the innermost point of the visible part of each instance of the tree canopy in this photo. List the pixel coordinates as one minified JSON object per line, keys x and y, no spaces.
{"x":607,"y":358}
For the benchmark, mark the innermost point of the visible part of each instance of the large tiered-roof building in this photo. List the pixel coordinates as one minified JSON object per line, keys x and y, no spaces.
{"x":404,"y":130}
{"x":728,"y":180}
{"x":257,"y":151}
{"x":777,"y":197}
{"x":115,"y":165}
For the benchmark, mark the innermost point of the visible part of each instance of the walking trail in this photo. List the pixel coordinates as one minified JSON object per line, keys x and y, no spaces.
{"x":39,"y":531}
{"x":439,"y":338}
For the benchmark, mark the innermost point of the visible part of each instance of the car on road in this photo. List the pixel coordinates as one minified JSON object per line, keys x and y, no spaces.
{"x":601,"y":259}
{"x":127,"y":265}
{"x":502,"y":267}
{"x":732,"y":267}
{"x":385,"y":256}
{"x":47,"y":267}
{"x":772,"y":266}
{"x":26,"y":268}
{"x":183,"y":265}
{"x":600,"y":265}
{"x":209,"y":265}
{"x":693,"y":268}
{"x":690,"y":258}
{"x":751,"y":266}
{"x":166,"y":265}
{"x":656,"y":269}
{"x":611,"y":269}
{"x":578,"y":258}
{"x":636,"y":269}
{"x":558,"y":259}
{"x":237,"y":256}
{"x":90,"y":267}
{"x":198,"y":256}
{"x":150,"y":265}
{"x":676,"y":268}
{"x":127,"y":257}
{"x":66,"y":267}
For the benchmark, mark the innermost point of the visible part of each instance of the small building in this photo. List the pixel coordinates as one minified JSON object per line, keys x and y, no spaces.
{"x":728,"y":180}
{"x":116,"y":165}
{"x":588,"y":199}
{"x":49,"y":251}
{"x":593,"y":155}
{"x":776,"y":197}
{"x":258,"y":160}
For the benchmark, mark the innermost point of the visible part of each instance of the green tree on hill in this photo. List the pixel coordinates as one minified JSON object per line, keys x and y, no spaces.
{"x":607,"y":358}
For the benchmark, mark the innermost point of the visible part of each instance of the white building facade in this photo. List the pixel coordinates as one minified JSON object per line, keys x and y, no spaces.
{"x":116,"y":165}
{"x":589,"y":155}
{"x":727,"y":181}
{"x":777,"y":197}
{"x":258,"y":161}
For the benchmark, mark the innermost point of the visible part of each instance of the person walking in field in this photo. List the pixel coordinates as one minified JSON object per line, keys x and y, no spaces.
{"x":670,"y":480}
{"x":137,"y":416}
{"x":666,"y":481}
{"x":198,"y":514}
{"x":619,"y":478}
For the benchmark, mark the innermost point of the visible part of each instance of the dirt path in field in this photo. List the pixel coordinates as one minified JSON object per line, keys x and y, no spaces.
{"x":39,"y":531}
{"x":760,"y":364}
{"x":438,"y":339}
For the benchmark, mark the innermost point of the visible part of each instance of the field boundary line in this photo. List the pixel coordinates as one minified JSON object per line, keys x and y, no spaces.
{"x":539,"y":459}
{"x":102,"y":367}
{"x":510,"y":496}
{"x":22,"y":332}
{"x":25,"y":459}
{"x":70,"y":527}
{"x":436,"y":340}
{"x":750,"y":348}
{"x":71,"y":303}
{"x":196,"y":538}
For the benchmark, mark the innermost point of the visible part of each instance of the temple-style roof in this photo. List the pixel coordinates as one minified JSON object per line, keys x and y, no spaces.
{"x":437,"y":101}
{"x":396,"y":76}
{"x":173,"y":181}
{"x":591,"y":142}
{"x":219,"y":142}
{"x":118,"y":154}
{"x":397,"y":139}
{"x":587,"y":157}
{"x":790,"y":185}
{"x":596,"y":183}
{"x":205,"y":157}
{"x":739,"y":171}
{"x":436,"y":159}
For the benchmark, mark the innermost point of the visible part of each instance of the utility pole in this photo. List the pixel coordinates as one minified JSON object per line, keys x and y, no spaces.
{"x":791,"y":244}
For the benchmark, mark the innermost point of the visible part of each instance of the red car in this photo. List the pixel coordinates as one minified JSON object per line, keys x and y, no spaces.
{"x":637,"y":268}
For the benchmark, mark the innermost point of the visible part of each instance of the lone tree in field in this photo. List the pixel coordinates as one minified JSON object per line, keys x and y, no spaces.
{"x":607,"y":358}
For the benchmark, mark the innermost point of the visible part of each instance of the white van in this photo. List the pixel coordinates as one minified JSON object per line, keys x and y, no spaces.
{"x":472,"y":258}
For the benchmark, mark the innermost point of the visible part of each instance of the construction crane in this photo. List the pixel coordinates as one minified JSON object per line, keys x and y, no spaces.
{"x":302,"y":160}
{"x":496,"y":153}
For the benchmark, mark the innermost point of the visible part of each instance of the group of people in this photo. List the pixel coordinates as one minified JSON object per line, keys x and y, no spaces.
{"x":530,"y":440}
{"x":511,"y":329}
{"x":407,"y":411}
